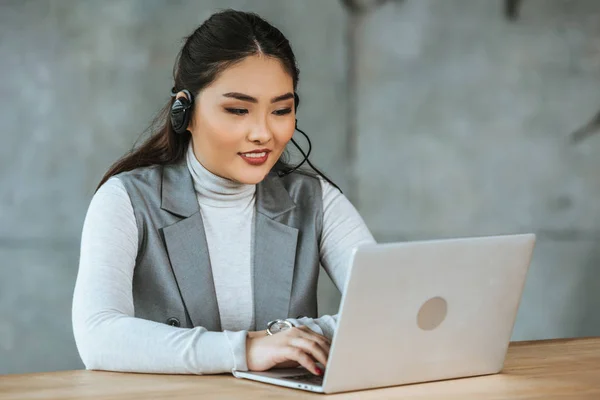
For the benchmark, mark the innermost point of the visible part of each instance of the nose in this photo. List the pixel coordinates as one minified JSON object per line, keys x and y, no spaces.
{"x":260,"y":133}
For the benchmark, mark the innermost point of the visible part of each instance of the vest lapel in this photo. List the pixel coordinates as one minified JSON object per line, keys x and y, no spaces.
{"x":187,"y":248}
{"x":274,"y":252}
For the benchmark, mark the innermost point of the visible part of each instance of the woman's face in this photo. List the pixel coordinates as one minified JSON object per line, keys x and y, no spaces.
{"x":249,"y":107}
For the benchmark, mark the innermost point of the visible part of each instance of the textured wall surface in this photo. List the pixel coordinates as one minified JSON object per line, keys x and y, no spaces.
{"x":463,"y":122}
{"x":449,"y":121}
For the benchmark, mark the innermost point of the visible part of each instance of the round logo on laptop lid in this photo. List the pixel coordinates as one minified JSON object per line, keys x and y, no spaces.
{"x":432,"y":313}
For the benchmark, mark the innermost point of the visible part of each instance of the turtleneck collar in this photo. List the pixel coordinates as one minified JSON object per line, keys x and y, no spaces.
{"x":213,"y":190}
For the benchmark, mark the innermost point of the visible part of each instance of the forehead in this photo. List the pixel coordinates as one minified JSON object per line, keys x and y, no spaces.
{"x":258,"y":76}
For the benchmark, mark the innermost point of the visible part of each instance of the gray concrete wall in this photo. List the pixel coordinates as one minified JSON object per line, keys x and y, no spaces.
{"x":460,"y":120}
{"x":464,"y":118}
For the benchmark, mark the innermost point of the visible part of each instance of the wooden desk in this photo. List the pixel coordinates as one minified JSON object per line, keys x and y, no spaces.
{"x":553,"y":369}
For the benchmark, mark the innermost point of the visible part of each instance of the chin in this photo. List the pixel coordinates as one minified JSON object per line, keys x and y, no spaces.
{"x":252,"y":177}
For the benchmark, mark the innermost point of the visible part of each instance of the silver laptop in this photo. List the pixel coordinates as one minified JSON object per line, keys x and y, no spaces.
{"x":421,"y":311}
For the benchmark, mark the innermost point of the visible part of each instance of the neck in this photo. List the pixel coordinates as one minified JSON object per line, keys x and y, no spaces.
{"x":214,"y":190}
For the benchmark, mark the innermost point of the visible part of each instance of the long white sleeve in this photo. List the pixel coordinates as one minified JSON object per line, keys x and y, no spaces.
{"x":343,"y":230}
{"x":107,"y":334}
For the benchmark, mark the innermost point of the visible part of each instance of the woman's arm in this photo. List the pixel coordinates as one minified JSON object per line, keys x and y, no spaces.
{"x":107,"y":334}
{"x":343,"y":230}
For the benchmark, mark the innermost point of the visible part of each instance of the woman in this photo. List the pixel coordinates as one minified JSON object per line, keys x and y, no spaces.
{"x":203,"y":237}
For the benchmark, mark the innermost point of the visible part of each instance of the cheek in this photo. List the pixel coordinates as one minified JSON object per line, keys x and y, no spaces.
{"x":220,"y":133}
{"x":225,"y":139}
{"x":284,"y":131}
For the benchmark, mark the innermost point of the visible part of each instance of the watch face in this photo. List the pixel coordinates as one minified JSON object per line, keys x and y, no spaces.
{"x":279,"y":326}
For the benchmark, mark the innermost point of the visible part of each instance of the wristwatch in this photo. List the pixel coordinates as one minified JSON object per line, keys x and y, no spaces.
{"x":278,"y":325}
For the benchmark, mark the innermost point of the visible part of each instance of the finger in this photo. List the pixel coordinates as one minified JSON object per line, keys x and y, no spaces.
{"x":306,"y":329}
{"x":296,"y":354}
{"x":324,"y":342}
{"x":312,"y":348}
{"x":326,"y":346}
{"x":320,"y":339}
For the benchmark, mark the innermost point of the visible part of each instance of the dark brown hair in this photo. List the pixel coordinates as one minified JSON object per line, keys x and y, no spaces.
{"x":224,"y":39}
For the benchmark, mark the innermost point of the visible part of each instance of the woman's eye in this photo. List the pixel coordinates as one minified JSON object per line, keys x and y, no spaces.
{"x":283,"y":112}
{"x":237,"y":111}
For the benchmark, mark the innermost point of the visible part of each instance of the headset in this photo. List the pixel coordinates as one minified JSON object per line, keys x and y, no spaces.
{"x":180,"y":111}
{"x":180,"y":118}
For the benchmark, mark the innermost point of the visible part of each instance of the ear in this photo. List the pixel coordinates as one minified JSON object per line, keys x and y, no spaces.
{"x":182,"y":93}
{"x":296,"y":101}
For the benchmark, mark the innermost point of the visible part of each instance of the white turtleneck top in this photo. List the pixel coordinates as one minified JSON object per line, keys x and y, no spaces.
{"x":108,"y":335}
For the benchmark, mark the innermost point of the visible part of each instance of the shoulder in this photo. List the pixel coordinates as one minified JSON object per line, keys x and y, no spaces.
{"x":110,"y":208}
{"x":303,"y":187}
{"x":299,"y":177}
{"x":329,"y":192}
{"x":313,"y":184}
{"x":111,"y":192}
{"x":141,"y":182}
{"x":149,"y":174}
{"x":302,"y":179}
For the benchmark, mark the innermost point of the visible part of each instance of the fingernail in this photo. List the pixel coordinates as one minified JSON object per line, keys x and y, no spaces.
{"x":319,"y":371}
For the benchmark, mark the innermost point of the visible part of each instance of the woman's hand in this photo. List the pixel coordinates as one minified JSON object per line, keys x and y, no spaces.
{"x":297,"y":345}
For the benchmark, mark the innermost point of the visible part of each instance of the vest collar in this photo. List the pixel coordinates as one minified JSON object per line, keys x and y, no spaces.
{"x":274,"y":247}
{"x":178,"y":195}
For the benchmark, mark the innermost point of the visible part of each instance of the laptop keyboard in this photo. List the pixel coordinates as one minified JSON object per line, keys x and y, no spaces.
{"x":307,"y":378}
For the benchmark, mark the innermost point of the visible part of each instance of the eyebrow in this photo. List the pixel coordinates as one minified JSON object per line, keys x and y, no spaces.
{"x":245,"y":97}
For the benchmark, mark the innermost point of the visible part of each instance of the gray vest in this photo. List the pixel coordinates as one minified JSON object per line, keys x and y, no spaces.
{"x":173,"y":281}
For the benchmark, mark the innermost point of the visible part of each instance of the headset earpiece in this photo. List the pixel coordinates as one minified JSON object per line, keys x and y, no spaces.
{"x":180,"y":111}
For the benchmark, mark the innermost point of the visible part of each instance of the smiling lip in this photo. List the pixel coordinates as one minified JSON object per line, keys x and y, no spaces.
{"x":256,"y":157}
